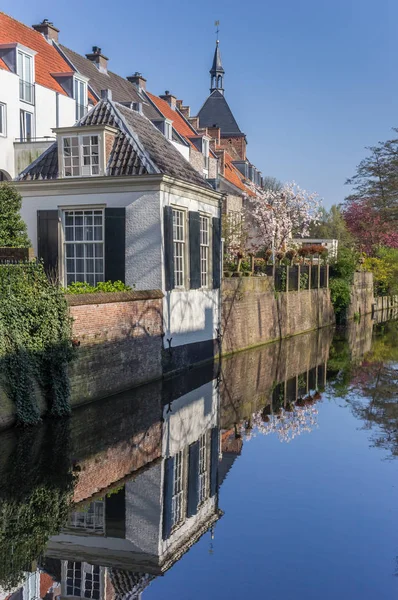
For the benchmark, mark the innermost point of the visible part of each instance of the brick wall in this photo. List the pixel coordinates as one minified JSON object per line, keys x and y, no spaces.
{"x":253,"y":314}
{"x":236,"y":146}
{"x":16,"y":254}
{"x":120,"y":344}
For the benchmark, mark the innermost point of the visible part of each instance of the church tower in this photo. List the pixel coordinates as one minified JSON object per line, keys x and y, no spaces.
{"x":217,"y":72}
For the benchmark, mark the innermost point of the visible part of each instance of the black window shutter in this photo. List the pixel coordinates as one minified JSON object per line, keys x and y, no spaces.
{"x":194,"y":250}
{"x":47,"y":240}
{"x":214,"y":460}
{"x":168,"y":248}
{"x":168,"y":496}
{"x":216,"y":252}
{"x":193,"y":480}
{"x":115,"y":244}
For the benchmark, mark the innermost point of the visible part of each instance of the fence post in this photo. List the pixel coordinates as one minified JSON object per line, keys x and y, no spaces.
{"x":298,"y":277}
{"x":287,"y":279}
{"x":309,"y":276}
{"x":327,"y":276}
{"x":319,"y":276}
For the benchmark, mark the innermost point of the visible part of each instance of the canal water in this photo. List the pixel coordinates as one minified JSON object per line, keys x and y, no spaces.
{"x":273,"y":475}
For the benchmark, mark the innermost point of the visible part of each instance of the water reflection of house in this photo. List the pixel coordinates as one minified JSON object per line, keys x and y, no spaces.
{"x":115,"y":545}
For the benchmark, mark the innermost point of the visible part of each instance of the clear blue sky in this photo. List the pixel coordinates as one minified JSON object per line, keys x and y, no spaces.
{"x":310,"y":83}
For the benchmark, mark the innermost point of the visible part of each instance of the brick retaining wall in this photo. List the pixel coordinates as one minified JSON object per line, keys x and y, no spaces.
{"x":253,"y":314}
{"x":120,"y":343}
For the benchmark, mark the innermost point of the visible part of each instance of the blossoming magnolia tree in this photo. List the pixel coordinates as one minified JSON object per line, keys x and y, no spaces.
{"x":277,"y":214}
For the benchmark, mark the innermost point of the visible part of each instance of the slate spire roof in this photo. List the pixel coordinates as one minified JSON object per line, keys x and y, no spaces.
{"x":215,"y":112}
{"x":217,"y":64}
{"x":139,"y":148}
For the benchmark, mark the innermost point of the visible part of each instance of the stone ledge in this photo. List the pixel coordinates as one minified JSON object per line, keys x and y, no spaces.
{"x":109,"y":297}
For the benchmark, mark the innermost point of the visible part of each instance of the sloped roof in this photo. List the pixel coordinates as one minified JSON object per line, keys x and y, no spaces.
{"x":122,"y":89}
{"x":215,"y":112}
{"x":217,"y":64}
{"x":139,"y":148}
{"x":234,"y":176}
{"x":47,"y":59}
{"x":179,"y":123}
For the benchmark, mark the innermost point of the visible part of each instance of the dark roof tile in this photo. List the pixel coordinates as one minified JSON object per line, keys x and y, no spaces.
{"x":215,"y":112}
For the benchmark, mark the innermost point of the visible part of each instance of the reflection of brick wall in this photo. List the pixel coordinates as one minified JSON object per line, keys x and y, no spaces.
{"x":119,"y":342}
{"x":101,"y":470}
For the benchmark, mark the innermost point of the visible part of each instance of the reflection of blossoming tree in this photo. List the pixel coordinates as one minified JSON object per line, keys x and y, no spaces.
{"x":286,"y":425}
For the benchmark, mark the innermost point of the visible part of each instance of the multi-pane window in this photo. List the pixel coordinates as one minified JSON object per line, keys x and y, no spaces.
{"x":204,"y":250}
{"x":203,"y":469}
{"x":168,"y":130}
{"x":178,"y":490}
{"x":80,"y":95}
{"x":84,"y":246}
{"x":3,"y":119}
{"x":179,"y":247}
{"x":25,"y":72}
{"x":91,"y":519}
{"x":81,"y":155}
{"x":25,"y":126}
{"x":83,"y":580}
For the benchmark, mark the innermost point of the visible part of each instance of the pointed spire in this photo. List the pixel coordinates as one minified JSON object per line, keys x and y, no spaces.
{"x":217,"y":71}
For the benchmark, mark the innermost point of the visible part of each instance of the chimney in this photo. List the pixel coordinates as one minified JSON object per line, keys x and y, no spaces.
{"x":100,"y":61}
{"x":185,"y":111}
{"x":47,"y":29}
{"x":138,"y":80}
{"x":170,"y":99}
{"x":106,"y":94}
{"x":221,"y":161}
{"x":215,"y":133}
{"x":194,"y":121}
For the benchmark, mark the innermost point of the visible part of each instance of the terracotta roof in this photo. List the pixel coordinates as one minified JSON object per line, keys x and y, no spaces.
{"x":179,"y":123}
{"x":47,"y":59}
{"x":234,"y":176}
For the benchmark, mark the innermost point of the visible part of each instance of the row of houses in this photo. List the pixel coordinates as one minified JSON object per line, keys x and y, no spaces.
{"x":119,"y":183}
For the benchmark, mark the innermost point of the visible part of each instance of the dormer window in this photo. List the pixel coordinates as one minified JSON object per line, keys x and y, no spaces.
{"x":26,"y":80}
{"x":80,"y":154}
{"x":205,"y":151}
{"x":168,"y":129}
{"x":80,"y":96}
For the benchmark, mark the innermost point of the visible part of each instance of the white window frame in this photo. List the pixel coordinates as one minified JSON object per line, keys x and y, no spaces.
{"x":22,"y":125}
{"x":178,"y":495}
{"x":3,"y":119}
{"x":26,"y":76}
{"x":180,"y":247}
{"x":203,"y":469}
{"x":206,"y":152}
{"x":205,"y":245}
{"x":85,"y":210}
{"x":80,"y":86}
{"x":80,"y":154}
{"x":168,"y":129}
{"x":90,"y":519}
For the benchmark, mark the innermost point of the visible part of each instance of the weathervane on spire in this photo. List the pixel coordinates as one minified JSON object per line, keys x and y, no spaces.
{"x":217,"y":24}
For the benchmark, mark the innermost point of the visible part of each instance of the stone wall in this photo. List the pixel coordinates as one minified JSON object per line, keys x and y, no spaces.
{"x":362,"y":296}
{"x":254,"y":314}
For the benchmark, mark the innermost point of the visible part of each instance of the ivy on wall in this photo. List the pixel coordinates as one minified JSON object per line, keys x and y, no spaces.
{"x":35,"y":341}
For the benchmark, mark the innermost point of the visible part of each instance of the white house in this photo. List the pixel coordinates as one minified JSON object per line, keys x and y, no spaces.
{"x":37,"y":93}
{"x":112,"y":199}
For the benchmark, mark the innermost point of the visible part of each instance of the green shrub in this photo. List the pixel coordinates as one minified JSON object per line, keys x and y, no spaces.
{"x":346,"y":264}
{"x":79,"y":287}
{"x":340,"y":293}
{"x":35,"y":341}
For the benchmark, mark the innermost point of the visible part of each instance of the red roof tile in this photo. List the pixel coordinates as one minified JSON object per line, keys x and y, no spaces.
{"x":179,"y":123}
{"x":234,"y":176}
{"x":47,"y":60}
